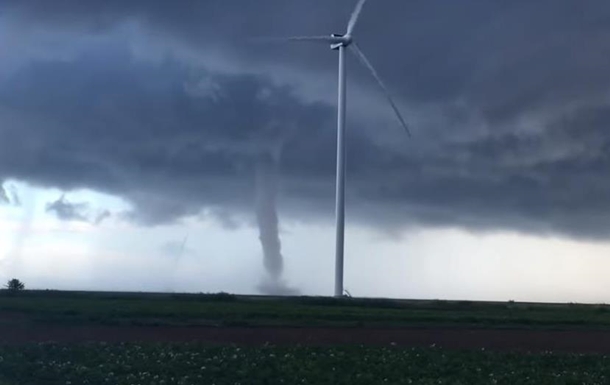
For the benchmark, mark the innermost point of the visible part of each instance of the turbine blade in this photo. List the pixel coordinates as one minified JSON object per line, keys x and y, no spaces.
{"x":326,"y":39}
{"x":356,"y":50}
{"x":355,"y":16}
{"x":320,"y":39}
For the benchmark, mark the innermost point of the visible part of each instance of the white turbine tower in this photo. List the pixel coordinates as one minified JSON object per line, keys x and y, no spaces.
{"x":341,"y":43}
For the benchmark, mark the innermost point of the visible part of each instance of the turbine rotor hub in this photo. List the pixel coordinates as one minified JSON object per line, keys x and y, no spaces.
{"x":340,"y":41}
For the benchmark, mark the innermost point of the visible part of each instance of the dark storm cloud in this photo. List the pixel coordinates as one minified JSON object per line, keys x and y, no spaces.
{"x":146,"y":131}
{"x":166,"y":105}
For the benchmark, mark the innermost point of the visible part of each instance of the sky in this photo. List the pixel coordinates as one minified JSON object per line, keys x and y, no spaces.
{"x":152,"y":146}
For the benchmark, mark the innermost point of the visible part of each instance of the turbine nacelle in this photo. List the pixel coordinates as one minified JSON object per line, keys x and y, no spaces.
{"x":340,"y":41}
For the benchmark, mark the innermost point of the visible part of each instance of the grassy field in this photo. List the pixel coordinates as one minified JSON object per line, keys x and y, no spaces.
{"x":187,"y":364}
{"x":229,"y":310}
{"x":191,"y":363}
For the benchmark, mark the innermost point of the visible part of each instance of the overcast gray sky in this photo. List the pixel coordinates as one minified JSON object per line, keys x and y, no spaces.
{"x":150,"y":115}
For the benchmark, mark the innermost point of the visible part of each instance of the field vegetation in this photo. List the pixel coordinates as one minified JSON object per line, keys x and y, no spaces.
{"x":191,"y":364}
{"x":228,"y":310}
{"x":154,"y":363}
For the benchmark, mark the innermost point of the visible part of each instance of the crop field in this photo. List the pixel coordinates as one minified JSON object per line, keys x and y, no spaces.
{"x":191,"y":364}
{"x":49,"y":337}
{"x":228,"y":310}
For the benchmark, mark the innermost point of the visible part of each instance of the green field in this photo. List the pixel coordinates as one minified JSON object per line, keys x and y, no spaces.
{"x":229,"y":310}
{"x":191,"y":363}
{"x":186,"y":364}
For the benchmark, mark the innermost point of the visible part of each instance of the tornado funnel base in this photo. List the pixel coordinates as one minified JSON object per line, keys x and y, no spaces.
{"x":277,"y":287}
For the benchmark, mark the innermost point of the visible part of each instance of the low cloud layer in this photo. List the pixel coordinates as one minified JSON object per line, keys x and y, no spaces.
{"x":167,"y":106}
{"x":3,"y":196}
{"x":66,"y":210}
{"x":9,"y":195}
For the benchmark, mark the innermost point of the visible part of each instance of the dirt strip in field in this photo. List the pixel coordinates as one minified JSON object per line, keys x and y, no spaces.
{"x":578,"y":341}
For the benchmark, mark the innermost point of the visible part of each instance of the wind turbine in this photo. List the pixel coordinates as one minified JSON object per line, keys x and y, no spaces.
{"x":341,"y":43}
